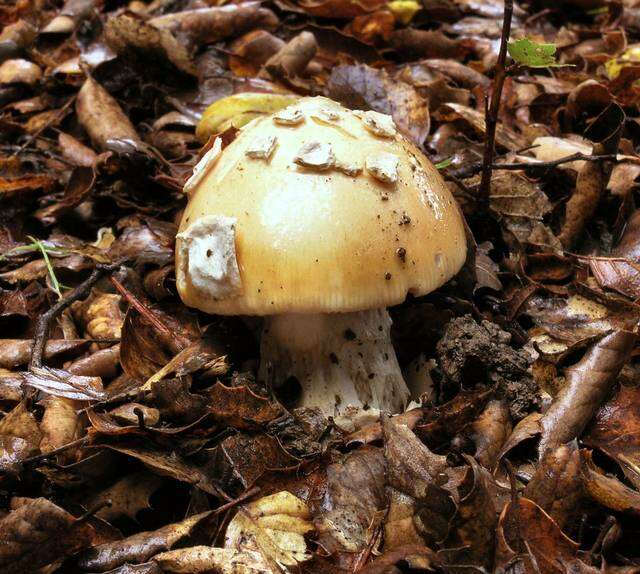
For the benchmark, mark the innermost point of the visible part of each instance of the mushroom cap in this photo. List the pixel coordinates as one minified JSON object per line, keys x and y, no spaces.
{"x":298,"y":236}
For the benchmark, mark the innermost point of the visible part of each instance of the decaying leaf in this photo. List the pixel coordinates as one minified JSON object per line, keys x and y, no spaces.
{"x":39,"y":533}
{"x":139,"y":547}
{"x":587,"y":384}
{"x":274,"y":526}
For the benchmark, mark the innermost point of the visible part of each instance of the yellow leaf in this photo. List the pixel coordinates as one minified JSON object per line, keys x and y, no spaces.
{"x":404,"y":10}
{"x":275,"y":526}
{"x":238,"y":110}
{"x":629,"y":58}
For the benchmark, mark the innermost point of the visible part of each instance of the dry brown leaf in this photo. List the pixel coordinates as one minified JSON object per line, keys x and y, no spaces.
{"x":37,"y":534}
{"x":530,"y":540}
{"x":128,"y":34}
{"x":490,"y":432}
{"x":139,"y":547}
{"x":20,"y":437}
{"x":102,"y":117}
{"x":616,"y":431}
{"x":128,"y":496}
{"x":607,"y":490}
{"x":60,"y":425}
{"x":354,"y":496}
{"x":505,"y":136}
{"x":588,"y":383}
{"x":363,"y":87}
{"x":208,"y":25}
{"x":556,"y":486}
{"x":17,"y":352}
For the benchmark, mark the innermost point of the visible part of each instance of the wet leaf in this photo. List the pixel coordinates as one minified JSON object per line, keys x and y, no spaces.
{"x":39,"y":533}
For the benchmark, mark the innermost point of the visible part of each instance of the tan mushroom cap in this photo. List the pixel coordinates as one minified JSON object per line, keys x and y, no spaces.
{"x":312,"y":240}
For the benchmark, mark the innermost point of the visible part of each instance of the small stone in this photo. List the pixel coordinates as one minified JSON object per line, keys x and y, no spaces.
{"x":289,"y":117}
{"x":401,"y":252}
{"x":315,"y":155}
{"x":262,"y":148}
{"x":383,"y":166}
{"x":350,"y":169}
{"x":378,"y":124}
{"x":208,"y":160}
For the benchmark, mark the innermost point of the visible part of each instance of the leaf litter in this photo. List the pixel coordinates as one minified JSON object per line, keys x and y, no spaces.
{"x":145,"y":441}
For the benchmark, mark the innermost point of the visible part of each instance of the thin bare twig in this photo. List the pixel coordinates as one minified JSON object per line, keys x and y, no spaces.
{"x":578,"y":156}
{"x":492,"y":107}
{"x":43,"y":324}
{"x":473,"y":169}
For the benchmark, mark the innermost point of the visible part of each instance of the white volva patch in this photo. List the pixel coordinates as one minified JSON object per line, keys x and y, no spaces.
{"x":383,"y":166}
{"x":208,"y":256}
{"x":203,"y":166}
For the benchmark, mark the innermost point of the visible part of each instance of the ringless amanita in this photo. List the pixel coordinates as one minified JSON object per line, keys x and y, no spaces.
{"x":318,"y":218}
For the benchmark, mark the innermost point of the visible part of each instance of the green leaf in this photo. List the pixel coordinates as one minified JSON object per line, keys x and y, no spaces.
{"x":52,"y":274}
{"x":444,"y":163}
{"x":533,"y":54}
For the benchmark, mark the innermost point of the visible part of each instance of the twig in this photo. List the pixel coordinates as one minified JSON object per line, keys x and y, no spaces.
{"x":492,"y":107}
{"x":251,"y":492}
{"x":61,"y":113}
{"x":578,"y":156}
{"x":45,"y":455}
{"x":474,"y":168}
{"x":141,"y":308}
{"x":43,"y":324}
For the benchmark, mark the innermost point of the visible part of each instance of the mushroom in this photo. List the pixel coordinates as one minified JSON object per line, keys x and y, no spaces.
{"x":319,"y":218}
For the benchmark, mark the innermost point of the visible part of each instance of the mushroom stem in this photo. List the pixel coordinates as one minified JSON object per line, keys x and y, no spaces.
{"x":344,"y":362}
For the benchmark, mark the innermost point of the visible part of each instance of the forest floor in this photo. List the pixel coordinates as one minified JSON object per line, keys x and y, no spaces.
{"x":135,"y":436}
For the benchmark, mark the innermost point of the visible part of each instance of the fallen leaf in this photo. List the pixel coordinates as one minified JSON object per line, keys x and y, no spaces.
{"x":20,"y":438}
{"x":128,"y":496}
{"x":354,"y":496}
{"x":130,"y":35}
{"x":530,"y":540}
{"x":556,"y":487}
{"x":60,"y":425}
{"x":587,"y":384}
{"x":490,"y":431}
{"x":363,"y":87}
{"x":166,"y":463}
{"x":102,"y":117}
{"x":139,"y":547}
{"x":607,"y":490}
{"x":205,"y":559}
{"x":273,"y":525}
{"x":240,"y":460}
{"x":505,"y":136}
{"x":37,"y":534}
{"x":60,"y":383}
{"x":209,"y":25}
{"x":614,"y":430}
{"x":239,"y":109}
